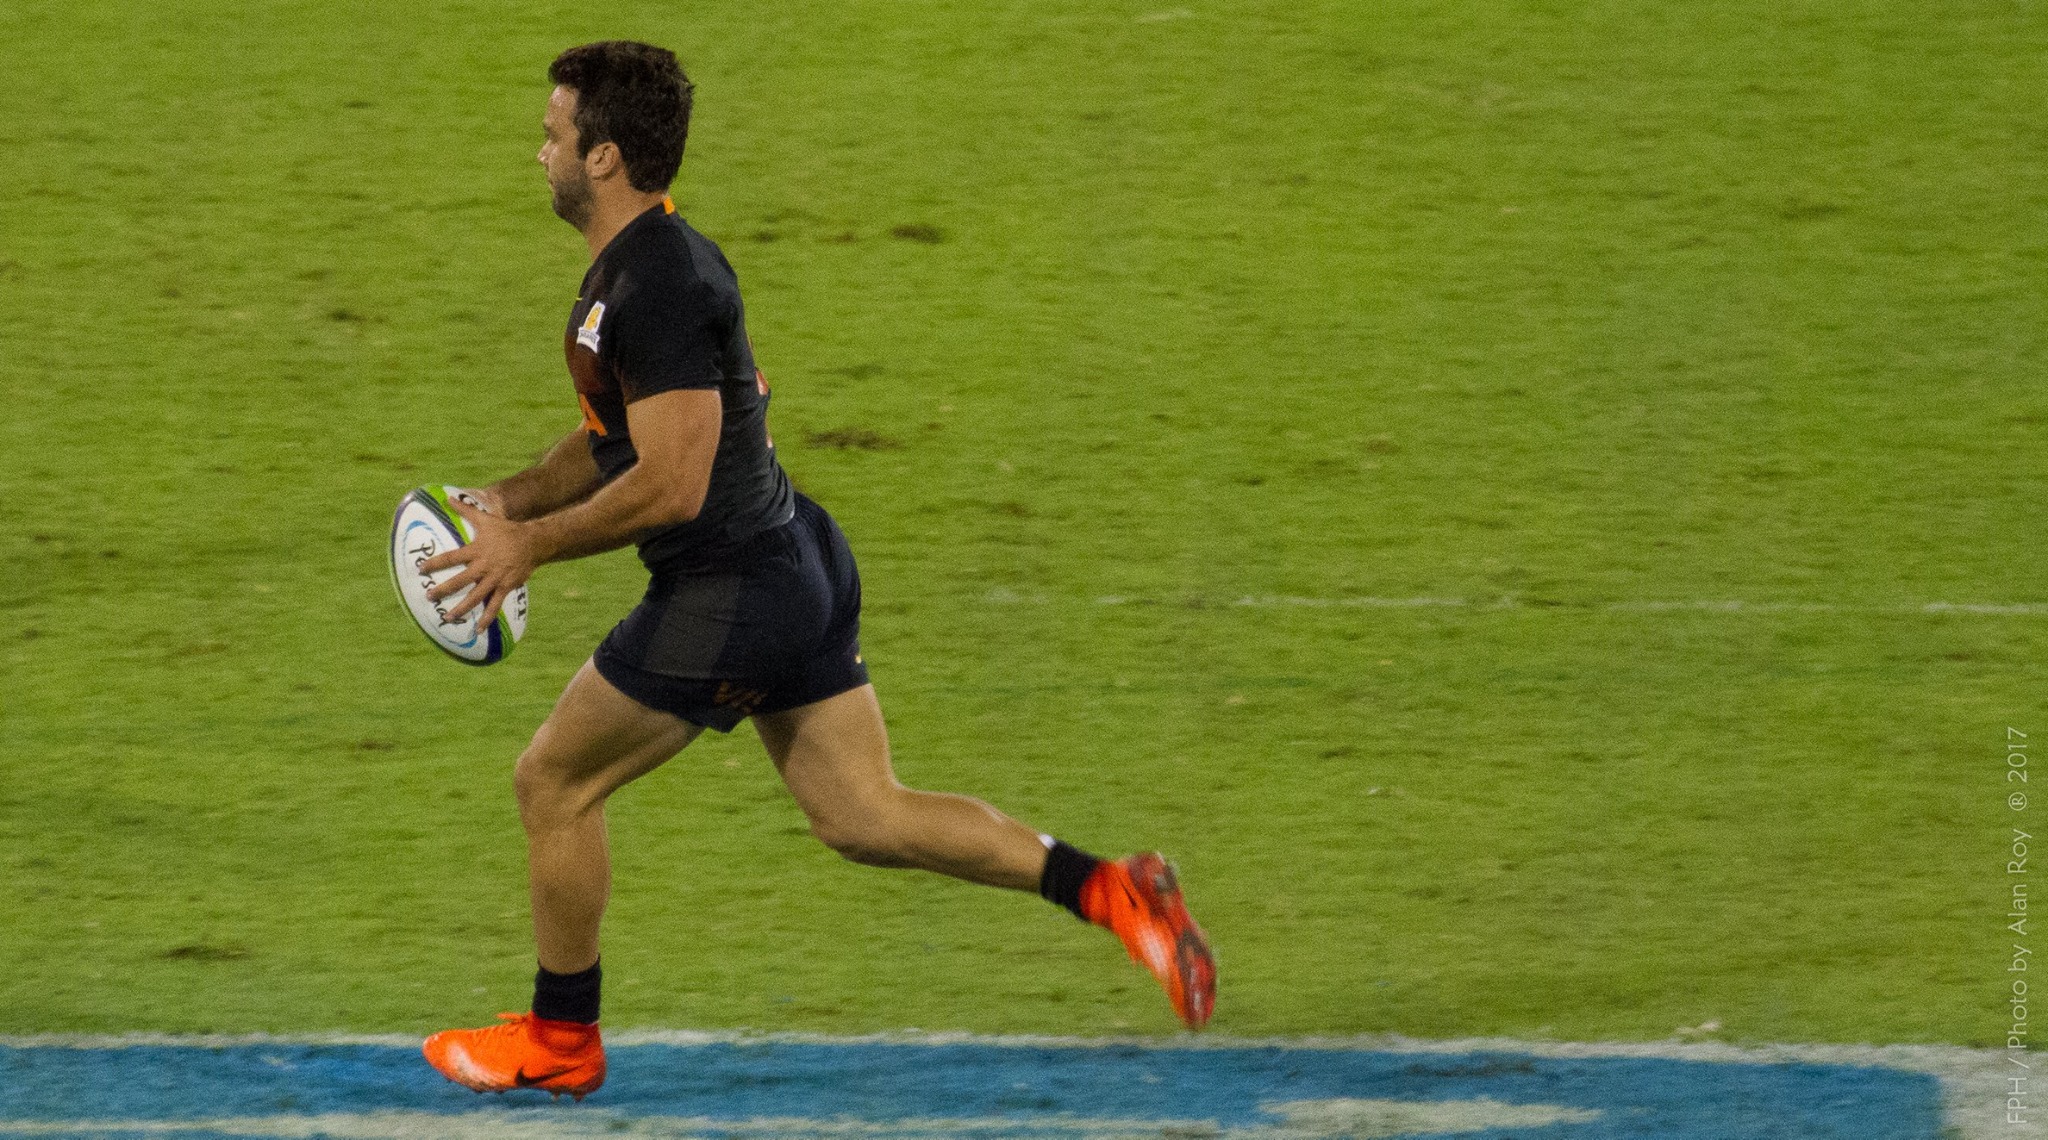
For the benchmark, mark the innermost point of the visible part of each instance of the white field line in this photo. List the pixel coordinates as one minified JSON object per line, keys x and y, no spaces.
{"x":1973,"y":1080}
{"x":1733,"y":606}
{"x":1334,"y":1119}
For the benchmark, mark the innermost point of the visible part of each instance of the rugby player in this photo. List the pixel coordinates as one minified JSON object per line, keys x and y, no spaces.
{"x":752,"y":610}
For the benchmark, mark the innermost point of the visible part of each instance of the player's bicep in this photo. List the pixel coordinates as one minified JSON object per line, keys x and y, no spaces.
{"x":676,"y":435}
{"x":663,"y":342}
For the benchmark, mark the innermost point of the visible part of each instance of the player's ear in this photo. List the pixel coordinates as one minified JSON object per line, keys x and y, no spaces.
{"x":604,"y":160}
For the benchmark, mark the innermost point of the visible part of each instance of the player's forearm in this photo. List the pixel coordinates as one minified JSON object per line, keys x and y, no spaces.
{"x":624,"y":511}
{"x":564,"y":476}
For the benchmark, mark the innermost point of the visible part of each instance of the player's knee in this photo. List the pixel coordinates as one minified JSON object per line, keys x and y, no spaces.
{"x":529,"y":786}
{"x":542,"y":793}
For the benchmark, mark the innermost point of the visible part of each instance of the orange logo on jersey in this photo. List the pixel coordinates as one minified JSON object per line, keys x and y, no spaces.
{"x":590,"y":420}
{"x":760,"y":386}
{"x":760,"y":377}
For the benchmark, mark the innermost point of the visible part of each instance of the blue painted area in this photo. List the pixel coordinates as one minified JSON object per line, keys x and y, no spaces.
{"x":1034,"y":1087}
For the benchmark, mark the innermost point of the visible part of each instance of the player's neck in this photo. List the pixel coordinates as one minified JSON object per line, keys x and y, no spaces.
{"x":614,"y":212}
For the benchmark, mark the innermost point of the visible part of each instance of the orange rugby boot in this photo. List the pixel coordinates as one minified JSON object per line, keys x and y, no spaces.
{"x":523,"y":1052}
{"x":1139,"y":899}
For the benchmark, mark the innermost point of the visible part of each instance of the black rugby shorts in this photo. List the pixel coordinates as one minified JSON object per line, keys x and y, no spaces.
{"x":774,"y":627}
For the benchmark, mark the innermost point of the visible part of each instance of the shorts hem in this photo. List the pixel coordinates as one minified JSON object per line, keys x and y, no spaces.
{"x":825,"y":693}
{"x":720,"y":705}
{"x":645,"y":689}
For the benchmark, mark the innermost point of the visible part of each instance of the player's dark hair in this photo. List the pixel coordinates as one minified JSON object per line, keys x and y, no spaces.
{"x":634,"y":96}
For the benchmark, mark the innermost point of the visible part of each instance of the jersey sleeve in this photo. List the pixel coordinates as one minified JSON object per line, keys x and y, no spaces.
{"x":668,"y":334}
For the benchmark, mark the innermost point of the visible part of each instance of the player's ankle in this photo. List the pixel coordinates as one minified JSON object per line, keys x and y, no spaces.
{"x":565,"y":1038}
{"x":1068,"y":869}
{"x":572,"y":998}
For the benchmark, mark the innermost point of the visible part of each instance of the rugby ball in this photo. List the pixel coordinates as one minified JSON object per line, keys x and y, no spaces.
{"x":425,"y":525}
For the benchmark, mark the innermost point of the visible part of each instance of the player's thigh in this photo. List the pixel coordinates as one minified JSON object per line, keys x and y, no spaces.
{"x":833,"y":754}
{"x":598,"y":739}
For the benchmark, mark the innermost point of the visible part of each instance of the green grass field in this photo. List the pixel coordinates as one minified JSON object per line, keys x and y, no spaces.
{"x":1559,"y":312}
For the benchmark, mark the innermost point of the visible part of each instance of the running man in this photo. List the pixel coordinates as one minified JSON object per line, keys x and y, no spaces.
{"x":752,"y":611}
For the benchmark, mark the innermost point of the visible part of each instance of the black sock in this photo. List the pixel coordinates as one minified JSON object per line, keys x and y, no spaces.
{"x":567,"y":997}
{"x":1066,"y":868}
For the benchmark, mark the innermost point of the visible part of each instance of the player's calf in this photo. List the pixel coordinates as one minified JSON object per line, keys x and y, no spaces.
{"x":871,"y":841}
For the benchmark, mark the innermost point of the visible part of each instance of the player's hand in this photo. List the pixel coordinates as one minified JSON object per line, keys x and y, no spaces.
{"x":496,"y":562}
{"x":492,"y":501}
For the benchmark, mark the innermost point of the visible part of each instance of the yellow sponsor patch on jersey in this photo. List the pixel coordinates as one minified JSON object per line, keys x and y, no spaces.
{"x":587,"y":335}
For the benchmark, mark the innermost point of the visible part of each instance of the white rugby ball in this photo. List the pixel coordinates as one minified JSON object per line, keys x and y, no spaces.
{"x":424,"y":526}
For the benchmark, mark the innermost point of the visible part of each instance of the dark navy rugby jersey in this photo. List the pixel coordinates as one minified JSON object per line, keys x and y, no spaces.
{"x":660,"y":310}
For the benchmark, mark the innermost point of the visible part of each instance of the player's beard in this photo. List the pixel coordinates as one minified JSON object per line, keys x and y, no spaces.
{"x":572,"y":198}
